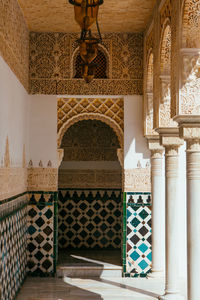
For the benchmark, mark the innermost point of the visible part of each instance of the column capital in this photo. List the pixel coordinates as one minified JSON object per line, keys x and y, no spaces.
{"x":169,"y":137}
{"x":154,"y":144}
{"x":190,"y":131}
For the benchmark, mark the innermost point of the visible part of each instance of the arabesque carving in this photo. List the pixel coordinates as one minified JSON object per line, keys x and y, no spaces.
{"x":137,"y":180}
{"x":190,"y":89}
{"x":107,"y":110}
{"x":13,"y":181}
{"x":42,"y":179}
{"x":51,"y":54}
{"x":90,"y":178}
{"x":191,"y":23}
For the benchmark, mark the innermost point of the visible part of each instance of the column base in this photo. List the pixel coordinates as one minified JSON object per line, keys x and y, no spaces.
{"x":156,"y":274}
{"x":171,"y":297}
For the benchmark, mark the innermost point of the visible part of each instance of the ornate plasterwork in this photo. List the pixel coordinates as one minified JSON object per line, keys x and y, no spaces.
{"x":190,"y":132}
{"x":148,"y":97}
{"x":42,"y":179}
{"x":148,"y":82}
{"x":90,"y":140}
{"x":190,"y":83}
{"x":165,"y":54}
{"x":165,"y":13}
{"x":90,"y":178}
{"x":190,"y":24}
{"x":137,"y":180}
{"x":14,"y":40}
{"x":120,"y":155}
{"x":107,"y":110}
{"x":175,"y":54}
{"x":50,"y":67}
{"x":165,"y":79}
{"x":13,"y":181}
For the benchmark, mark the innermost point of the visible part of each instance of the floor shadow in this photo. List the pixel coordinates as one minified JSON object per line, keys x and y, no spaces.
{"x":54,"y":289}
{"x":128,"y":287}
{"x":89,"y":257}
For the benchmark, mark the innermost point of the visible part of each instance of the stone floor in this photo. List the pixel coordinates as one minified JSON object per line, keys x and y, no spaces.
{"x":94,"y":289}
{"x":89,"y":257}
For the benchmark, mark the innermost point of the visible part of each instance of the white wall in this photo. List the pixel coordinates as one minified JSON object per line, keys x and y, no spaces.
{"x":135,"y":145}
{"x":43,"y":129}
{"x":14,"y":112}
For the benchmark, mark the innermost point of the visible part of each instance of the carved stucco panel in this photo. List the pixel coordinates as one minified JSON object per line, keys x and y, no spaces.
{"x":137,"y":180}
{"x":107,"y":110}
{"x":191,"y":23}
{"x":190,"y":85}
{"x":165,"y":105}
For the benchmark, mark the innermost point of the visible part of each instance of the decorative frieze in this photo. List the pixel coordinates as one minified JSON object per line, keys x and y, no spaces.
{"x":137,"y":180}
{"x":90,"y":178}
{"x":42,"y":179}
{"x":190,"y":82}
{"x":51,"y":71}
{"x":13,"y":181}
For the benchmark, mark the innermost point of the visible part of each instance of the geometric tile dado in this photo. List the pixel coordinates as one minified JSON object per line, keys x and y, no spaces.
{"x":41,"y":234}
{"x":13,"y":246}
{"x":89,"y":218}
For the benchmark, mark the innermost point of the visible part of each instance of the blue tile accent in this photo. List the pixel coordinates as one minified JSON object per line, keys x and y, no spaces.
{"x":139,"y":250}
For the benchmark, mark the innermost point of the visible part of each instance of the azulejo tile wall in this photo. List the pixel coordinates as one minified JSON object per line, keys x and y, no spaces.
{"x":89,"y":218}
{"x":42,"y":238}
{"x":13,"y":245}
{"x":137,"y":249}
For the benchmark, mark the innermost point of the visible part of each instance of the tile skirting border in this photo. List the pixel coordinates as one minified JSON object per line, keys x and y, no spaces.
{"x":11,"y":205}
{"x":89,"y":189}
{"x":12,"y":198}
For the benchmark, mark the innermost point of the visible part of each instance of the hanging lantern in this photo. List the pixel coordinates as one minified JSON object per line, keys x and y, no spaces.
{"x":86,"y":14}
{"x":88,"y":50}
{"x":88,"y":72}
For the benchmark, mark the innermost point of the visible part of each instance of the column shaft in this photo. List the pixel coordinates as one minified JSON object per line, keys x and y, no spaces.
{"x":158,"y":214}
{"x":193,"y":218}
{"x":172,"y":226}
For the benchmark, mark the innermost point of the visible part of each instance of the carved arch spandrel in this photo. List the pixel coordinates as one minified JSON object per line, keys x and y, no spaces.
{"x":91,"y":116}
{"x":190,"y":59}
{"x":165,"y":78}
{"x":149,"y":96}
{"x":191,"y":24}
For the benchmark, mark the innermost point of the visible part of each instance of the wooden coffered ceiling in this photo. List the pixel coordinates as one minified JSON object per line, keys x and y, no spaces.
{"x":114,"y":15}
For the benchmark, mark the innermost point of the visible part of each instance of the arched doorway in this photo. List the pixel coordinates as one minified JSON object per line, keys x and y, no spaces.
{"x":90,"y":195}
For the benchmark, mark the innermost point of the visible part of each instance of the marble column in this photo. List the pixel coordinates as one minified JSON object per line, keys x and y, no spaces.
{"x":173,"y":226}
{"x":191,"y":133}
{"x":158,"y":209}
